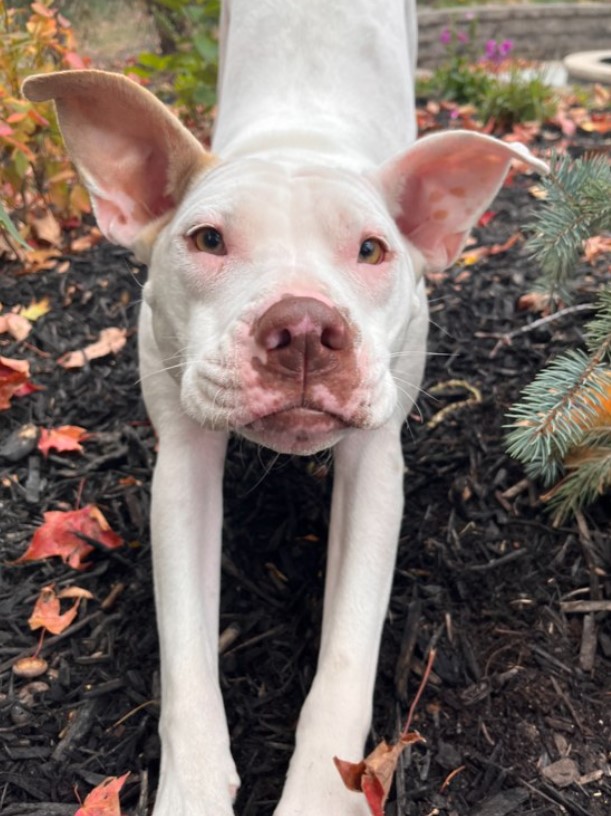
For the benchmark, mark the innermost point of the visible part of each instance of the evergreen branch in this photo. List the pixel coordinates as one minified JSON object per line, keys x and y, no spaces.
{"x":578,"y":205}
{"x":588,"y":478}
{"x":598,"y":330}
{"x":555,"y":411}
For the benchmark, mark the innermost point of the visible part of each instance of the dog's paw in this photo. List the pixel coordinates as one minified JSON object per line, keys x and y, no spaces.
{"x":207,"y":794}
{"x":316,"y":789}
{"x":321,"y":800}
{"x":171,"y":800}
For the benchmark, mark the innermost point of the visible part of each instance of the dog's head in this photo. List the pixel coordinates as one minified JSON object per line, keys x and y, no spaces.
{"x":285,"y":291}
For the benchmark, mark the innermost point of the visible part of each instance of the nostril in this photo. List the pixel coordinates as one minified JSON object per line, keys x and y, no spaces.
{"x":333,"y":338}
{"x":279,"y":339}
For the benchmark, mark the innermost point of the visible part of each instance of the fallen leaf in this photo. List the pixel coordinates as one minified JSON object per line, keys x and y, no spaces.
{"x":561,"y":773}
{"x":75,"y":592}
{"x":36,"y":309}
{"x":31,"y":666}
{"x":595,"y":246}
{"x":61,"y":533}
{"x":86,"y":241}
{"x":538,"y":302}
{"x":38,"y":259}
{"x":47,"y":612}
{"x":46,"y":227}
{"x":473,"y":256}
{"x":16,"y":325}
{"x":14,"y":374}
{"x":110,"y":341}
{"x":103,"y":800}
{"x":64,"y":438}
{"x":373,"y":775}
{"x":486,"y":218}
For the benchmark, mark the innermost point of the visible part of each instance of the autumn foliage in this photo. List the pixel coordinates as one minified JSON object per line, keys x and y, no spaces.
{"x":37,"y":180}
{"x":67,"y":534}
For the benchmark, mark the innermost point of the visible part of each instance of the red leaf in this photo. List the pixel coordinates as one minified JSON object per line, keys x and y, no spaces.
{"x":13,"y":375}
{"x":374,"y":774}
{"x":64,"y":438}
{"x":103,"y":800}
{"x":486,"y":218}
{"x":58,"y":535}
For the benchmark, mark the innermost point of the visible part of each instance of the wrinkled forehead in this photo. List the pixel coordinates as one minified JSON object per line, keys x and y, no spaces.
{"x":260,"y":193}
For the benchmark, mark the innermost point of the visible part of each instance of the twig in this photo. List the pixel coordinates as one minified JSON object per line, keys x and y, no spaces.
{"x":505,"y":339}
{"x":421,"y":687}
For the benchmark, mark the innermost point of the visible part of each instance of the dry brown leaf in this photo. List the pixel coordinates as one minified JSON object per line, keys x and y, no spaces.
{"x":110,"y":341}
{"x":46,"y":228}
{"x":595,"y":246}
{"x":561,"y":773}
{"x":86,"y":241}
{"x":373,"y":775}
{"x":31,"y":666}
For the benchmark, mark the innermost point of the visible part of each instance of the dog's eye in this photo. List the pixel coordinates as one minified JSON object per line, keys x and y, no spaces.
{"x":208,"y":239}
{"x":372,"y":251}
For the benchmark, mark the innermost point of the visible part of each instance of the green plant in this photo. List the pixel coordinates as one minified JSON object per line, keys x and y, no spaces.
{"x":189,"y":59}
{"x":499,"y":89}
{"x":514,"y":98}
{"x":34,"y":170}
{"x":561,"y":427}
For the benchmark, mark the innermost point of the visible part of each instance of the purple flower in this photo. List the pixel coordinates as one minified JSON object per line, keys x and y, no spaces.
{"x":445,"y":38}
{"x":490,"y":50}
{"x":506,"y":47}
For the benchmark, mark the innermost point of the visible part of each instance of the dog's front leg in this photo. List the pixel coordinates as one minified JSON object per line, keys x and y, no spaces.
{"x":198,"y":776}
{"x":366,"y":515}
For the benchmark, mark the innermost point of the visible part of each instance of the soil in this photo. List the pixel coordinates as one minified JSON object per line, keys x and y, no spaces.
{"x":518,"y":685}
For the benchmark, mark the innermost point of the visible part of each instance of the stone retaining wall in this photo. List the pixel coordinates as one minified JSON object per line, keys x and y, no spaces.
{"x":544,"y":32}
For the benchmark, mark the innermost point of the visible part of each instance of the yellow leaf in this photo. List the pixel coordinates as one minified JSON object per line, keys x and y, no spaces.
{"x":36,"y":309}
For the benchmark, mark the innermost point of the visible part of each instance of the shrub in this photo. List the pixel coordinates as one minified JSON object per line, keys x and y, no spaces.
{"x":189,"y":54}
{"x":34,"y":170}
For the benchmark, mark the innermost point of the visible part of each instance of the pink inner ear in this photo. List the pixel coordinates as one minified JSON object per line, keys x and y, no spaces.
{"x":442,"y":185}
{"x":442,"y":200}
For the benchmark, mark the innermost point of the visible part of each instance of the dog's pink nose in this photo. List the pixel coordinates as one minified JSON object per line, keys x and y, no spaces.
{"x":302,"y":334}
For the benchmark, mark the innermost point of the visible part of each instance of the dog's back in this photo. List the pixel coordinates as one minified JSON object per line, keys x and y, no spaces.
{"x":334,"y":76}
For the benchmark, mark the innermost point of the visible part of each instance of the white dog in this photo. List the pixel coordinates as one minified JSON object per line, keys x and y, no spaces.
{"x":285,"y":302}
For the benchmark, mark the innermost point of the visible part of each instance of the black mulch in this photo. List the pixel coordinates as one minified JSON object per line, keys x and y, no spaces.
{"x":518,"y":684}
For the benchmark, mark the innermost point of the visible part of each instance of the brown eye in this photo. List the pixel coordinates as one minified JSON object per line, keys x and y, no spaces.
{"x":372,"y":251}
{"x":208,"y":239}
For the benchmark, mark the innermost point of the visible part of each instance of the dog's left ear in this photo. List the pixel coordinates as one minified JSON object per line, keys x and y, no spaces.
{"x":438,"y":189}
{"x":134,"y":156}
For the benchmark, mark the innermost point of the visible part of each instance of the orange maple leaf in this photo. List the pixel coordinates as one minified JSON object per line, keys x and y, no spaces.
{"x":47,"y":612}
{"x":64,"y":438}
{"x":103,"y":800}
{"x":61,"y":534}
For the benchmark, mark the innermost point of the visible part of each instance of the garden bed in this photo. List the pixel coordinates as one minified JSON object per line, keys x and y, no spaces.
{"x":520,"y":684}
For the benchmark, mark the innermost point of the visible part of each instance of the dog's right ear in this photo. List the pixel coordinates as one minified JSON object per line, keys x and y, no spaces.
{"x":134,"y":156}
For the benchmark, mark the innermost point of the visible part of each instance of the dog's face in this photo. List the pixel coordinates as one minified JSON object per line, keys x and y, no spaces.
{"x":286,"y":297}
{"x":280,"y":294}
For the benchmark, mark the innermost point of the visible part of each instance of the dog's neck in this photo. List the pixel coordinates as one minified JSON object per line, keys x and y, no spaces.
{"x":345,"y":89}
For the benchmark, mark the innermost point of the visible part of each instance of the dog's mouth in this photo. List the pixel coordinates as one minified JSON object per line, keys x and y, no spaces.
{"x":297,"y":430}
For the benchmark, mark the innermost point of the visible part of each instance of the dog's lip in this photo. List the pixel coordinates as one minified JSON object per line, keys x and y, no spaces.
{"x":299,"y":418}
